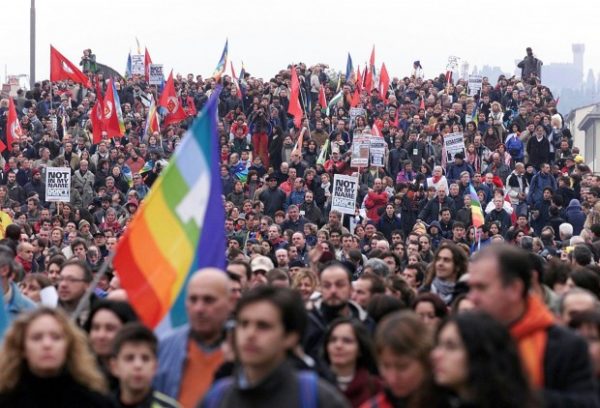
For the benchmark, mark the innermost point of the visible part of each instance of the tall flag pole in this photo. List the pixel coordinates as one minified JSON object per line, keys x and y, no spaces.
{"x":222,"y":65}
{"x":178,"y":229}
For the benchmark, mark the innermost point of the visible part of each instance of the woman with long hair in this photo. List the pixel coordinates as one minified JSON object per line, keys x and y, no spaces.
{"x":477,"y":362}
{"x":449,"y":264}
{"x":403,"y":345}
{"x":45,"y":362}
{"x":348,"y":351}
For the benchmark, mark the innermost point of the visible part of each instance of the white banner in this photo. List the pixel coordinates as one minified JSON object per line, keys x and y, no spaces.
{"x":137,"y":64}
{"x":454,"y":143}
{"x":360,"y":151}
{"x":58,"y":184}
{"x":156,"y":74}
{"x":345,"y":190}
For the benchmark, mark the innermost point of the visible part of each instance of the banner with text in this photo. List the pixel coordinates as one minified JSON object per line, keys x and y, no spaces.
{"x":58,"y":184}
{"x":454,"y":143}
{"x":345,"y":190}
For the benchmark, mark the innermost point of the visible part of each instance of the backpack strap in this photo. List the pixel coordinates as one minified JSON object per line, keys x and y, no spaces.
{"x":309,"y":396}
{"x":215,"y":394}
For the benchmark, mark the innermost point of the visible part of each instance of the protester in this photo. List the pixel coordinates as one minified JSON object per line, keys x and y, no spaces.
{"x":45,"y":361}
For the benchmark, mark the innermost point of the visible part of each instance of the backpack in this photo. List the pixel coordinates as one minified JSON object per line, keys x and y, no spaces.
{"x":307,"y":382}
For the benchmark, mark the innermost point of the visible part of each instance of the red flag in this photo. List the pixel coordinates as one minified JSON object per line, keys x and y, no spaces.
{"x":376,"y":131}
{"x":295,"y":109}
{"x":368,"y":82}
{"x":359,"y":78}
{"x":395,"y":122}
{"x":170,"y":101}
{"x":384,"y":82}
{"x":322,"y":98}
{"x":448,"y":77}
{"x":61,"y":69}
{"x":422,"y":104}
{"x":147,"y":62}
{"x":355,"y":98}
{"x":97,"y":116}
{"x":372,"y":59}
{"x":13,"y":127}
{"x":111,"y":119}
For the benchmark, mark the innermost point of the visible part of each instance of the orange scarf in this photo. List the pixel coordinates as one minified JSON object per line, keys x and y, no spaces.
{"x":531,"y":335}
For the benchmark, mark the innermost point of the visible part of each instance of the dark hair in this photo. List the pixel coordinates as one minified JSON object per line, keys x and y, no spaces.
{"x":377,"y":284}
{"x":13,"y":231}
{"x":382,"y":305}
{"x":585,"y":278}
{"x":137,"y":333}
{"x":122,"y":310}
{"x":495,"y":375}
{"x":245,"y":264}
{"x":513,"y":263}
{"x":87,"y":272}
{"x":459,"y":257}
{"x":366,"y":350}
{"x":289,"y":302}
{"x":439,"y":307}
{"x":396,"y":283}
{"x":582,"y":255}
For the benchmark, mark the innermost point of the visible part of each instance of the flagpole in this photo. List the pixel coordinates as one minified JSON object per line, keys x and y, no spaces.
{"x":88,"y":293}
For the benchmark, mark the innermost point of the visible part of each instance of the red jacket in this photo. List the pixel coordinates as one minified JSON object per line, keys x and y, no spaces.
{"x":375,"y":201}
{"x":339,"y":167}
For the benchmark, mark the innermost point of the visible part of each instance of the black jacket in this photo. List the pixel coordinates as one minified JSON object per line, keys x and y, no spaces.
{"x":568,"y":378}
{"x":57,"y":392}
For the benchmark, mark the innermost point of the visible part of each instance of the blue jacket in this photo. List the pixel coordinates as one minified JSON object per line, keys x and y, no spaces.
{"x":454,"y":170}
{"x":575,"y":216}
{"x":172,"y":351}
{"x":17,"y":303}
{"x":538,"y":183}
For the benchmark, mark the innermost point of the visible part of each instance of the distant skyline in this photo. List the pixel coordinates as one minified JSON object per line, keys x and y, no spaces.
{"x":188,"y":36}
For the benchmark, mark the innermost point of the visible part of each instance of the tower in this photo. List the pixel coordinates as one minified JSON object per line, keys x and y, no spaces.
{"x":578,"y":51}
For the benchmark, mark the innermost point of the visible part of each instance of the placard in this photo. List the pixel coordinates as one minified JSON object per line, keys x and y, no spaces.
{"x":345,"y":190}
{"x":475,"y":84}
{"x":58,"y":184}
{"x":137,"y":64}
{"x":360,"y":151}
{"x":377,"y":151}
{"x":454,"y":143}
{"x":156,"y":74}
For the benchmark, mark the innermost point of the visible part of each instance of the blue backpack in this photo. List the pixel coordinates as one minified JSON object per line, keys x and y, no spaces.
{"x":307,"y":382}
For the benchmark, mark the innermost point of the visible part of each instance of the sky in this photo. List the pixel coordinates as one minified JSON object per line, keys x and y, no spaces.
{"x":267,"y":35}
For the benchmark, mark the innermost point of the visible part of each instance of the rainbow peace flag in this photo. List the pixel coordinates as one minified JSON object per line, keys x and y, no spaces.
{"x":476,"y":212}
{"x":178,"y":228}
{"x":220,"y":69}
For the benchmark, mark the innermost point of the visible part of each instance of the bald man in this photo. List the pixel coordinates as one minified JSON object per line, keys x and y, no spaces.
{"x":189,"y":357}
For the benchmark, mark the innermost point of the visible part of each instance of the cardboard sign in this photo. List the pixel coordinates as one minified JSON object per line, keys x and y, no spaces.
{"x":58,"y":184}
{"x":156,"y":74}
{"x":454,"y":143}
{"x":137,"y":64}
{"x":345,"y":190}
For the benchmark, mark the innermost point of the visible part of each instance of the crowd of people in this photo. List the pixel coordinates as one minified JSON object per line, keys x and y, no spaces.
{"x":408,"y":302}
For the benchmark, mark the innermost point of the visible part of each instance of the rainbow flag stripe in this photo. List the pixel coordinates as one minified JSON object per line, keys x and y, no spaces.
{"x":220,"y":69}
{"x":178,"y":228}
{"x":476,"y":212}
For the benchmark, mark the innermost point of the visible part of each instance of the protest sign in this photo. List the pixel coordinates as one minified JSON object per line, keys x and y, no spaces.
{"x":454,"y":143}
{"x":156,"y":74}
{"x":345,"y":189}
{"x":377,"y":151}
{"x":360,"y":151}
{"x":137,"y":64}
{"x":475,"y":84}
{"x":354,"y":113}
{"x":58,"y":184}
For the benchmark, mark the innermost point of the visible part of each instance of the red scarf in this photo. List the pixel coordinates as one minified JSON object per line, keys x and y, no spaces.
{"x":531,"y":335}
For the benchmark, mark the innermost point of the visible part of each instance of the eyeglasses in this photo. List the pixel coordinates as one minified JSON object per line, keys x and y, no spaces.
{"x":69,"y":279}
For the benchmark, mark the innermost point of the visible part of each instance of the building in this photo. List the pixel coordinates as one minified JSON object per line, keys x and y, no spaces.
{"x":584,"y":124}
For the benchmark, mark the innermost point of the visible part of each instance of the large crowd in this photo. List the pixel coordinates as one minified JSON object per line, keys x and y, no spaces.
{"x":410,"y":301}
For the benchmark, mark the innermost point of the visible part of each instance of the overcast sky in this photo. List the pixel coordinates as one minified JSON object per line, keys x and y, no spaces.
{"x":188,"y":36}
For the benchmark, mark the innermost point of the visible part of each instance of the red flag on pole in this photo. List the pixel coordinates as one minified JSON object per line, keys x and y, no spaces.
{"x":97,"y":116}
{"x":359,"y":78}
{"x":295,"y":109}
{"x":111,"y":119}
{"x":368,"y":82}
{"x":384,"y":82}
{"x":355,"y":98}
{"x":13,"y":127}
{"x":322,"y":98}
{"x":170,"y":101}
{"x":62,"y":69}
{"x":147,"y":62}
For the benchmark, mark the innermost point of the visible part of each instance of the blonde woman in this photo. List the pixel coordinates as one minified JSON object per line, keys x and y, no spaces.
{"x":306,"y":282}
{"x":46,"y":362}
